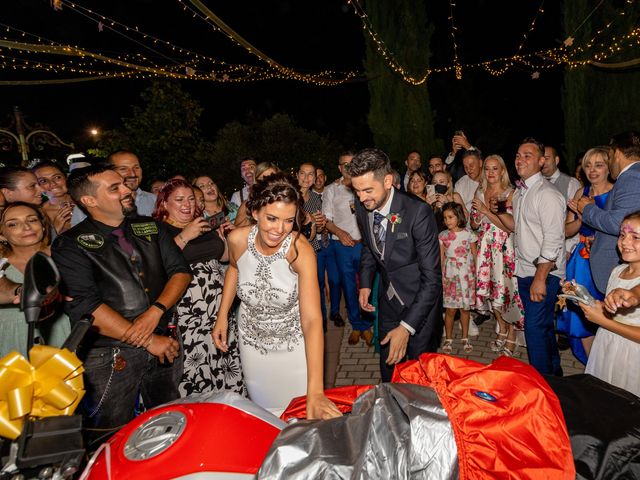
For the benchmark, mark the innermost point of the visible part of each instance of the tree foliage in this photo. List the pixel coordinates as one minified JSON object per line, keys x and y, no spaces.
{"x":400,"y":115}
{"x":277,"y":139}
{"x":164,"y":132}
{"x":599,"y":102}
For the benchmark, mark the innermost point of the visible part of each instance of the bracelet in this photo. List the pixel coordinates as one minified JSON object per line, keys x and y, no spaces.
{"x":182,"y":238}
{"x":160,"y":306}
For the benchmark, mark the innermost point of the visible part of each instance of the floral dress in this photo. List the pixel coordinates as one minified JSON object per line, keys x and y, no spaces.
{"x":458,"y":269}
{"x":497,"y":286}
{"x":206,"y":369}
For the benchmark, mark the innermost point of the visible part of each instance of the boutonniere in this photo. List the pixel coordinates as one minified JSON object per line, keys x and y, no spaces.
{"x":394,"y":219}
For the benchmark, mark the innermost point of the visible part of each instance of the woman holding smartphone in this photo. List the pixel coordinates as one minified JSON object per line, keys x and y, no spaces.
{"x":206,"y":369}
{"x":496,"y":285}
{"x":443,"y":193}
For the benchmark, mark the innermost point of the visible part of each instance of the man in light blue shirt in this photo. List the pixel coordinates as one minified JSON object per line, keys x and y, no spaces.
{"x":127,"y":164}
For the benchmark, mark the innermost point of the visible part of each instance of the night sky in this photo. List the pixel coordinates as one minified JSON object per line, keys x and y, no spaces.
{"x":309,"y":36}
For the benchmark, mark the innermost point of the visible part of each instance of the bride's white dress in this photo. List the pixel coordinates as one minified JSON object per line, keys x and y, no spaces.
{"x":272,"y":350}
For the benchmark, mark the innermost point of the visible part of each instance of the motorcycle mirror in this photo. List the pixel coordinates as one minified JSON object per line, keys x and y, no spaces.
{"x":41,"y":279}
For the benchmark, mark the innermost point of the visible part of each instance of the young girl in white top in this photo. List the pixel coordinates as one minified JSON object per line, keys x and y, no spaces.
{"x":615,"y":354}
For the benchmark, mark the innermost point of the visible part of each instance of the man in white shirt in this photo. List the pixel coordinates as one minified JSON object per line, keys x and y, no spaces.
{"x":539,"y":211}
{"x":338,"y":205}
{"x":247,"y":172}
{"x":468,"y":184}
{"x":567,"y":185}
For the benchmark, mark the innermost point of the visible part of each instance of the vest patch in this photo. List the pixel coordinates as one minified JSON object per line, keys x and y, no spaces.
{"x":144,"y":229}
{"x":90,"y":240}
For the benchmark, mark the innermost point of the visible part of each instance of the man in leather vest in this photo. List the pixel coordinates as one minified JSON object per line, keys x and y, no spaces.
{"x":128,"y":273}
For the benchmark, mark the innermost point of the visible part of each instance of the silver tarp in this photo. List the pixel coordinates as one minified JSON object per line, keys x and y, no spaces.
{"x":395,"y":431}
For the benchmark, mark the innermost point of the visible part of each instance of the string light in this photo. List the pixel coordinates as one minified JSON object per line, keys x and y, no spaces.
{"x":532,"y":27}
{"x":456,"y":63}
{"x":498,"y":66}
{"x":326,"y":77}
{"x":91,"y":65}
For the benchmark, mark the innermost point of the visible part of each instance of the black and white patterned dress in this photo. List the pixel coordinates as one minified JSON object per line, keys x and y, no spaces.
{"x":205,"y":368}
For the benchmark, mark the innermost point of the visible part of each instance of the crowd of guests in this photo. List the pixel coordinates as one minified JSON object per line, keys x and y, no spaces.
{"x":193,"y":294}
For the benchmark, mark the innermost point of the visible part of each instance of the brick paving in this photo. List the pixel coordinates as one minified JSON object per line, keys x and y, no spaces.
{"x":359,"y":364}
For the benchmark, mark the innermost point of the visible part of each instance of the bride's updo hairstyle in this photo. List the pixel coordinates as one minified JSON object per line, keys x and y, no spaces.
{"x":278,"y":187}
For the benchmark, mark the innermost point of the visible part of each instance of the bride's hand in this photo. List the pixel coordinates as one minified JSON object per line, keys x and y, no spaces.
{"x":219,"y":333}
{"x":319,"y":407}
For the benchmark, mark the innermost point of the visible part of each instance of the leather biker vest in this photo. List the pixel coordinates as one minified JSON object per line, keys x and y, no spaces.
{"x":128,"y":284}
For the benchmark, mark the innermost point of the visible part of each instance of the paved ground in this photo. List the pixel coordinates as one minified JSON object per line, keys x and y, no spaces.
{"x":359,"y":365}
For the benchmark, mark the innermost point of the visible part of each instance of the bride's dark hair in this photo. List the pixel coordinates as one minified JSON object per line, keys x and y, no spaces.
{"x":278,"y":187}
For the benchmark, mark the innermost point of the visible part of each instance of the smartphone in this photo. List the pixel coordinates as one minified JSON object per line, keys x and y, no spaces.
{"x":431,"y":190}
{"x":216,"y":220}
{"x":441,"y":189}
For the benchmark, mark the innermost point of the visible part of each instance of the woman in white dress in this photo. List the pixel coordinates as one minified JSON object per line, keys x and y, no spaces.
{"x":272,"y":269}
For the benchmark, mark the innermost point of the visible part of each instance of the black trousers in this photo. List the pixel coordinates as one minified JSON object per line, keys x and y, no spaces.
{"x":426,"y":339}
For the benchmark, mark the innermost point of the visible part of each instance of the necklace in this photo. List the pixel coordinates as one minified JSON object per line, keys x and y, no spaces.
{"x":174,"y":223}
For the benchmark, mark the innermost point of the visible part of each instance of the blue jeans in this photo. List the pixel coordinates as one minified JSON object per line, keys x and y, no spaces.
{"x":348,"y":260}
{"x":327,"y":262}
{"x":118,"y":390}
{"x":539,"y":328}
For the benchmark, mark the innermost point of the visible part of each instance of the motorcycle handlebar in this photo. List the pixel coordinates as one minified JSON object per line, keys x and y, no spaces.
{"x":78,"y":332}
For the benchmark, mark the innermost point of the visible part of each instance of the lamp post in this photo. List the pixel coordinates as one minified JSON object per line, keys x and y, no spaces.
{"x":24,"y":137}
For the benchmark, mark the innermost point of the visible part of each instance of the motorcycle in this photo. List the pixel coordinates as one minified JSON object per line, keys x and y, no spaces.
{"x":49,"y":445}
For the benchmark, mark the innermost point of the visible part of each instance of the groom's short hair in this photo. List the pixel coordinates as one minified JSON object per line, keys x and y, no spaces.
{"x":370,"y":160}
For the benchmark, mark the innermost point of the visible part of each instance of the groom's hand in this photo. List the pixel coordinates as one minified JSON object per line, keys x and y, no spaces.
{"x":363,"y":298}
{"x":397,"y":339}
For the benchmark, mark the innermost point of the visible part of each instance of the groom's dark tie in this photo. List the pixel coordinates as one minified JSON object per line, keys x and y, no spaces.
{"x":378,"y":230}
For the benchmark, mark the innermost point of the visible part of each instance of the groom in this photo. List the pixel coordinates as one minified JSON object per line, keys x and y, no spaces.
{"x":400,"y":240}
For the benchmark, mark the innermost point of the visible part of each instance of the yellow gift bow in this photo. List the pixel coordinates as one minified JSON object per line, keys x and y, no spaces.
{"x":50,"y":385}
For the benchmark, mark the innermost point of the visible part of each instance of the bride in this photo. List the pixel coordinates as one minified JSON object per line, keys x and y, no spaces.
{"x":272,"y":269}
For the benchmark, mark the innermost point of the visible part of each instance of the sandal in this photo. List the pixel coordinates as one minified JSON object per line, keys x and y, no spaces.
{"x":510,"y":351}
{"x":498,"y":344}
{"x":466,"y":345}
{"x":446,"y":345}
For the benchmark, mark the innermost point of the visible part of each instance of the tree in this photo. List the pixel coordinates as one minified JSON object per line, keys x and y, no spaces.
{"x":400,"y":115}
{"x":277,"y":139}
{"x":599,"y":102}
{"x":164,"y":132}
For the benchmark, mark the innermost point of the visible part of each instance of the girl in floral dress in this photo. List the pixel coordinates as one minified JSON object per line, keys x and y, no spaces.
{"x":497,"y":288}
{"x":458,"y":258}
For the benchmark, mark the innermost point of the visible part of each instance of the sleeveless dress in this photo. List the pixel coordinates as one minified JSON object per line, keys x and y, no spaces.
{"x":272,"y":349}
{"x":458,"y":279}
{"x":571,"y":320}
{"x":496,"y":284}
{"x":206,"y":369}
{"x":614,"y":358}
{"x":54,"y":330}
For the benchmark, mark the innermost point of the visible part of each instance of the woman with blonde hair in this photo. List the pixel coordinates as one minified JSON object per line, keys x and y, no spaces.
{"x":581,"y":332}
{"x":496,"y":285}
{"x":214,"y":201}
{"x":440,"y":196}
